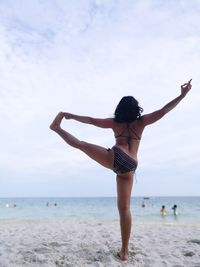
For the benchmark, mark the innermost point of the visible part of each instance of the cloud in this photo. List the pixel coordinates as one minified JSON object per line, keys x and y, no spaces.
{"x":82,"y":57}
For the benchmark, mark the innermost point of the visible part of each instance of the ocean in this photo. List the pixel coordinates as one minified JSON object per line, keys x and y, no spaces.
{"x":101,"y":208}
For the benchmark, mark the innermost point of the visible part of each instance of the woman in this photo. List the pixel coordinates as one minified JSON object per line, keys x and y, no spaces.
{"x":127,"y":125}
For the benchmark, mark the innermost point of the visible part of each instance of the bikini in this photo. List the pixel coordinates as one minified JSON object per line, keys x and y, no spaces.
{"x":123,"y":163}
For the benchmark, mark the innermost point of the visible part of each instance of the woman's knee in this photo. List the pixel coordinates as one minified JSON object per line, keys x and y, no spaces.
{"x":124,"y":208}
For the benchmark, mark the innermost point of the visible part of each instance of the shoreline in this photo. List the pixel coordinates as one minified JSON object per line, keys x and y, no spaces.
{"x":96,"y":243}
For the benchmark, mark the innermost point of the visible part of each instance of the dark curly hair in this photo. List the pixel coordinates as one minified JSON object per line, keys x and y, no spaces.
{"x":127,"y":110}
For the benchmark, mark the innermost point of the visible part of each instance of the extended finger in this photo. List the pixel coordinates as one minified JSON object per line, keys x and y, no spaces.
{"x":185,"y":84}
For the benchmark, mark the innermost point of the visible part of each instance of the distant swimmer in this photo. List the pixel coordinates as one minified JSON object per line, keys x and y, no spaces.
{"x":127,"y":125}
{"x":143,"y":204}
{"x":175,"y":210}
{"x":163,"y":211}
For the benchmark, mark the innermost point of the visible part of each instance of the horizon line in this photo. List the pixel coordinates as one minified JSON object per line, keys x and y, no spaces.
{"x":141,"y":196}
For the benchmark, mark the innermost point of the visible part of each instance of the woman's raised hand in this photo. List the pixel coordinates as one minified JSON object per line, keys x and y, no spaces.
{"x":185,"y":88}
{"x":67,"y":116}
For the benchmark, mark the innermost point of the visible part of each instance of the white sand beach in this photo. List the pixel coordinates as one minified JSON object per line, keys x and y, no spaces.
{"x":91,"y":243}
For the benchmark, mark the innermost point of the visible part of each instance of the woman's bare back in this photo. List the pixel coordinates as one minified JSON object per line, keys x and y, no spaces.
{"x":128,"y":136}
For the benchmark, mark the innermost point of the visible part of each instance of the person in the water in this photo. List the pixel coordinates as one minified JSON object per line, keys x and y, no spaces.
{"x":163,"y":211}
{"x":128,"y":125}
{"x":174,"y":208}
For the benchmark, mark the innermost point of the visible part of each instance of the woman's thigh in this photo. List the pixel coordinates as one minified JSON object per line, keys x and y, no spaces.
{"x":100,"y":154}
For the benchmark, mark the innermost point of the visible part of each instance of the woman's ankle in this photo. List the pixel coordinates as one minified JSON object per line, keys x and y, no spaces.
{"x":124,"y":250}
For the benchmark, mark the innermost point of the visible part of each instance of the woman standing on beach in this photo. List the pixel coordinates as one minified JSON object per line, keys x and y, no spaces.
{"x":127,"y":125}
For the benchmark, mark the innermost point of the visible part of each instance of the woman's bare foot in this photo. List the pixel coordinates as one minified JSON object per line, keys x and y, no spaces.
{"x":123,"y":255}
{"x":55,"y":125}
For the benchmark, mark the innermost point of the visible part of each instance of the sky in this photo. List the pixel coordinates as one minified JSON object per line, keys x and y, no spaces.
{"x":82,"y":57}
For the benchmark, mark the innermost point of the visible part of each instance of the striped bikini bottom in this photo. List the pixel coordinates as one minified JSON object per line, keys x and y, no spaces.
{"x":122,"y":162}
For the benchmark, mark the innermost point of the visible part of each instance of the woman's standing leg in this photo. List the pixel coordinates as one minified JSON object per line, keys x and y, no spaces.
{"x":124,"y":187}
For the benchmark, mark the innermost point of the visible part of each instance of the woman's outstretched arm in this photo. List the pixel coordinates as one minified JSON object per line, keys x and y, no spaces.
{"x":158,"y":114}
{"x":103,"y":123}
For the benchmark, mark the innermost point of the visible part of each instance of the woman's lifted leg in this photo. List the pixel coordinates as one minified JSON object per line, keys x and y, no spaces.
{"x":97,"y":153}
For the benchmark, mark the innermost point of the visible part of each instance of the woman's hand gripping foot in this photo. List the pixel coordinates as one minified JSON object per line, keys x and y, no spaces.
{"x":55,"y":125}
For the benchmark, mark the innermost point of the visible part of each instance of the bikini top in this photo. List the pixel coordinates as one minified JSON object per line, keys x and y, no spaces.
{"x":130,"y":130}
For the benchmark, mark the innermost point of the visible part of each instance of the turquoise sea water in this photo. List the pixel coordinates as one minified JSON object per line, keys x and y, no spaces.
{"x":100,"y":208}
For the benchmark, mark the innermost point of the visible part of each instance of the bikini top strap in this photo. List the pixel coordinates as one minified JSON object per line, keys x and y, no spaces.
{"x":129,"y":130}
{"x":137,"y":136}
{"x":121,"y":134}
